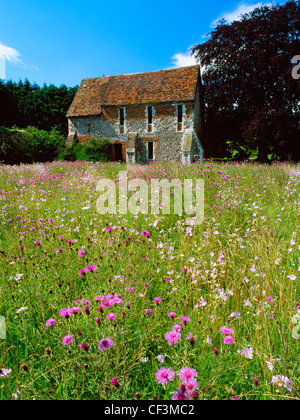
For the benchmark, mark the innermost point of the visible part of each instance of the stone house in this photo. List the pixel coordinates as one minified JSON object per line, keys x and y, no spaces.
{"x":148,"y":117}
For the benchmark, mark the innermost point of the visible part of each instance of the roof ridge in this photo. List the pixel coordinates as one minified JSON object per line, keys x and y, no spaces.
{"x":141,"y":72}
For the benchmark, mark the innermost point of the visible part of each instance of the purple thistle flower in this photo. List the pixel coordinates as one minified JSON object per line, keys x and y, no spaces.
{"x":105,"y":344}
{"x":164,"y":375}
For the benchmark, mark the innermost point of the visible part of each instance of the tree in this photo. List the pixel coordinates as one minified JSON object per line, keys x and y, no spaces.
{"x":248,"y":81}
{"x":24,"y":104}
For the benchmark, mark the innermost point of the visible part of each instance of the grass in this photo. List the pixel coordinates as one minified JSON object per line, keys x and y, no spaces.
{"x":244,"y":253}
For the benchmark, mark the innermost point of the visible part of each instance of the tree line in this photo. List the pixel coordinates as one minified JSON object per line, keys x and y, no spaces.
{"x":24,"y":104}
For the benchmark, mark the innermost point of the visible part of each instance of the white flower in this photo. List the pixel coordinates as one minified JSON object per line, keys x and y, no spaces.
{"x":21,"y":310}
{"x":144,"y":359}
{"x":4,"y":372}
{"x":247,"y":352}
{"x":282,"y":380}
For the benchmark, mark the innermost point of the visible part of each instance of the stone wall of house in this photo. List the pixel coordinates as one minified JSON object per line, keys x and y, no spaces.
{"x":167,"y":140}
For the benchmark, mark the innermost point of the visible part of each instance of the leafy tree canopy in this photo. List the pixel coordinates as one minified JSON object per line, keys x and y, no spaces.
{"x":251,"y":98}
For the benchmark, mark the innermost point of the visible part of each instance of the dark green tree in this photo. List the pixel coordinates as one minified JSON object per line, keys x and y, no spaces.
{"x":251,"y":97}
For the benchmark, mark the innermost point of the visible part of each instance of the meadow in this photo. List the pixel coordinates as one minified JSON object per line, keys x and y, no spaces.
{"x":120,"y":307}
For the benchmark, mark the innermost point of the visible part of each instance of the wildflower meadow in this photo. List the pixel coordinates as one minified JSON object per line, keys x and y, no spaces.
{"x":124,"y":306}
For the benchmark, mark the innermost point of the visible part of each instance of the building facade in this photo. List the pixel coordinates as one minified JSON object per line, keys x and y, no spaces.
{"x":148,"y":117}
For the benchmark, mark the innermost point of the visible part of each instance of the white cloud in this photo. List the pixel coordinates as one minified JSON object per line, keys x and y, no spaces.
{"x":2,"y":69}
{"x":13,"y":56}
{"x":241,"y":9}
{"x":10,"y":54}
{"x":183,"y":60}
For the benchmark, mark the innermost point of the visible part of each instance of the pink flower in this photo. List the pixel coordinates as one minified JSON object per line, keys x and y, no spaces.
{"x":50,"y":322}
{"x":157,"y":300}
{"x":172,"y":314}
{"x":65,"y":313}
{"x":111,"y":316}
{"x":115,"y":382}
{"x":228,"y":340}
{"x":75,"y":310}
{"x":67,"y":340}
{"x":177,"y":327}
{"x":106,"y":303}
{"x":187,"y":374}
{"x":180,"y":395}
{"x":226,"y":330}
{"x":164,"y":375}
{"x":148,"y":311}
{"x":173,"y":337}
{"x":109,"y":229}
{"x":191,"y":386}
{"x":81,"y":253}
{"x":145,"y":232}
{"x":87,"y":269}
{"x":185,"y":319}
{"x":84,"y":346}
{"x":105,"y":344}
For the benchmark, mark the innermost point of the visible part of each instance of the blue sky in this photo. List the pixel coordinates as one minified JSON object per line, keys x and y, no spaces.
{"x":64,"y":41}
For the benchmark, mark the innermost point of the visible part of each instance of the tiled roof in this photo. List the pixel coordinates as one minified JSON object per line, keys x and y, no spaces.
{"x":173,"y":85}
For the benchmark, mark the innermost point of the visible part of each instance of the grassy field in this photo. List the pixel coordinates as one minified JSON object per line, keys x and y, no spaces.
{"x":139,"y":307}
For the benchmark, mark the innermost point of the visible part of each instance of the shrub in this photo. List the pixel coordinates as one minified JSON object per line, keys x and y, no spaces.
{"x":29,"y":145}
{"x":97,"y":149}
{"x":11,"y":145}
{"x":41,"y":146}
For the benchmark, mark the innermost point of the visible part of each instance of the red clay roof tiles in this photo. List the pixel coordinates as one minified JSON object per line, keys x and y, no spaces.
{"x":173,"y":85}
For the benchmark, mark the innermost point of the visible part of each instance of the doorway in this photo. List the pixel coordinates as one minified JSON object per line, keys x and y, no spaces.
{"x":117,"y":154}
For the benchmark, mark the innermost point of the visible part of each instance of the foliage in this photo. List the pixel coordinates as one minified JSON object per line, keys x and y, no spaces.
{"x":24,"y":104}
{"x":11,"y":145}
{"x":41,"y":146}
{"x":96,"y":150}
{"x":249,"y":90}
{"x":29,"y":145}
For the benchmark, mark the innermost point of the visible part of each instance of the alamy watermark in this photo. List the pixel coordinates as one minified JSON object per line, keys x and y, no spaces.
{"x":187,"y":197}
{"x":296,"y":68}
{"x":2,"y":328}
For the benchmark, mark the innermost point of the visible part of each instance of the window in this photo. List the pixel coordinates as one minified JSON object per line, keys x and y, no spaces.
{"x":150,"y":150}
{"x":122,"y":119}
{"x":150,"y":118}
{"x":179,"y":117}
